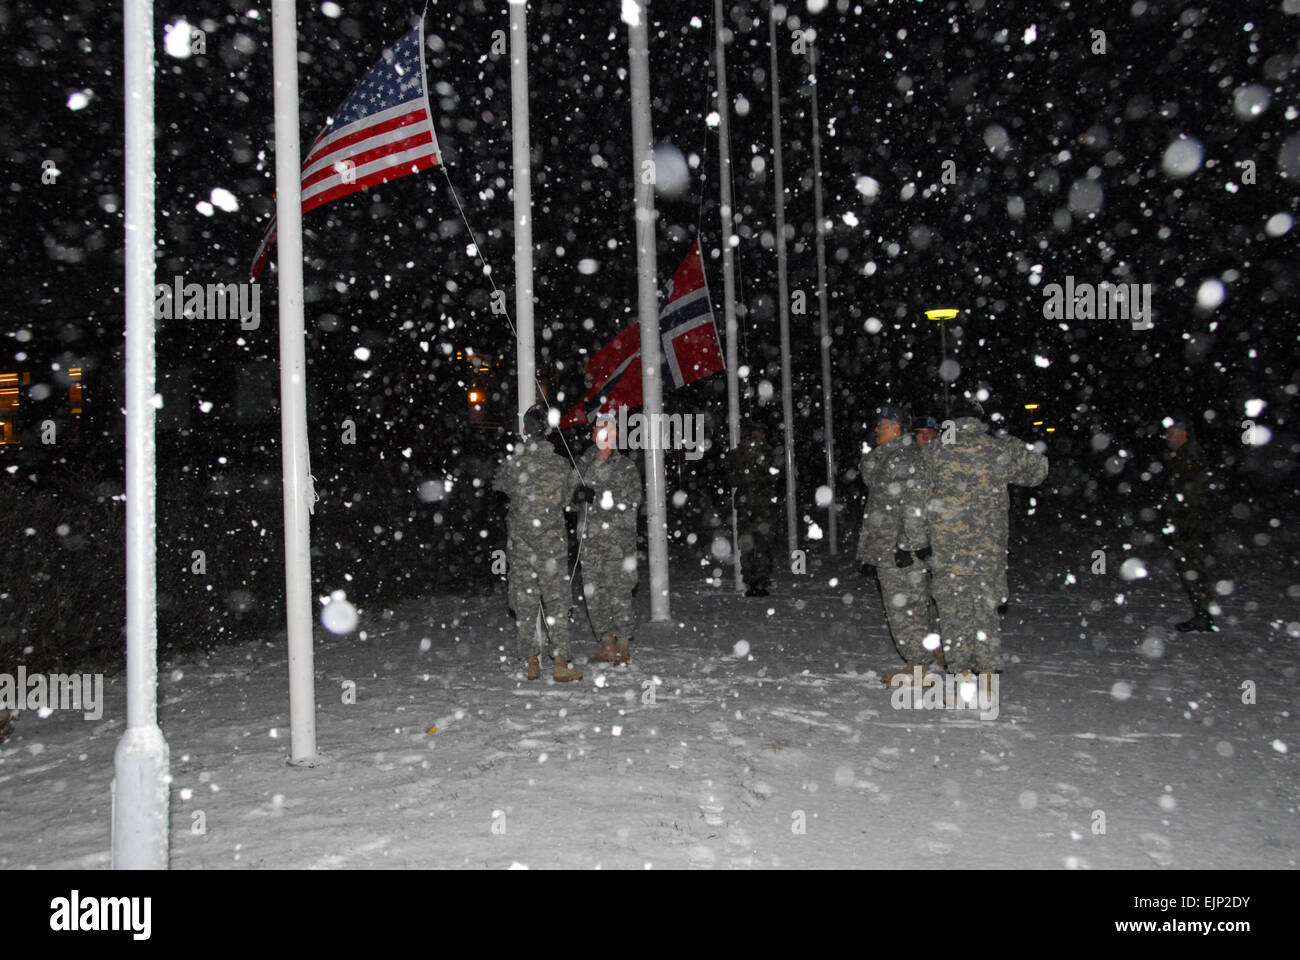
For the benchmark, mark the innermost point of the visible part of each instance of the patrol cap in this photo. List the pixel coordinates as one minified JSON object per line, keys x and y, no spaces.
{"x":535,"y":421}
{"x":927,"y":422}
{"x":896,"y":413}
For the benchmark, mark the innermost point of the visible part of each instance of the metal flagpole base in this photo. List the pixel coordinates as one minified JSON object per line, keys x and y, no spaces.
{"x":141,"y":800}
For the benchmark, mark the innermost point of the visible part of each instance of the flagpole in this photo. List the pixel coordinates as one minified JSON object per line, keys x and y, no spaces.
{"x":526,"y":362}
{"x":298,"y":495}
{"x":635,"y":14}
{"x":142,"y":760}
{"x":728,"y":272}
{"x":828,"y":425}
{"x":783,"y":293}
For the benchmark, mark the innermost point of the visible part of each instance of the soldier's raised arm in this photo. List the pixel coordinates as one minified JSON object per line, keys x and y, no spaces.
{"x":575,"y":477}
{"x":626,"y":484}
{"x":1024,"y":465}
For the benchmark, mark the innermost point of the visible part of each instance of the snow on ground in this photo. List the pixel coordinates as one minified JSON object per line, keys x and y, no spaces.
{"x":787,"y":755}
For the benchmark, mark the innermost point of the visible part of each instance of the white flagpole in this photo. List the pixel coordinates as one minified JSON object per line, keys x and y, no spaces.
{"x":141,"y":763}
{"x":635,"y":14}
{"x":828,"y":424}
{"x":783,"y":293}
{"x":728,"y":272}
{"x":522,"y":161}
{"x":298,"y":494}
{"x":522,"y":156}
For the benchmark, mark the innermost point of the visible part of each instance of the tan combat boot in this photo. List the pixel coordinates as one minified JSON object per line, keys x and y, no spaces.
{"x":534,"y":669}
{"x":908,"y":670}
{"x":608,"y":650}
{"x":563,"y":672}
{"x":622,"y":651}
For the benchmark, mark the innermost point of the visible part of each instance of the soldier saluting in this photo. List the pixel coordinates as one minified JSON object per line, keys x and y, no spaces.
{"x":610,"y":485}
{"x":967,"y":511}
{"x":536,"y":479}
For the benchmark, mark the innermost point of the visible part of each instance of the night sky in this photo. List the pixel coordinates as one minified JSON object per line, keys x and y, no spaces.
{"x":1058,"y":154}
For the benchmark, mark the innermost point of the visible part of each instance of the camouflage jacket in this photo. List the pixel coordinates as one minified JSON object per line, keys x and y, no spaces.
{"x":895,"y":516}
{"x":1186,"y":507}
{"x":536,"y":479}
{"x":967,"y":503}
{"x":611,"y":516}
{"x":755,"y":473}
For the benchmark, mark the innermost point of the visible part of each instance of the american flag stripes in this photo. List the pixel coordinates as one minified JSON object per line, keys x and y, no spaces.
{"x":382,"y":131}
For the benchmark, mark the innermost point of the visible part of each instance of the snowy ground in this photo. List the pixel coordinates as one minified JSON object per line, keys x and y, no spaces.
{"x":734,"y":755}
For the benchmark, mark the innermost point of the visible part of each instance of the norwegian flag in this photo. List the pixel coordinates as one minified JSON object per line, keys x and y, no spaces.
{"x":688,"y":342}
{"x":383,"y":130}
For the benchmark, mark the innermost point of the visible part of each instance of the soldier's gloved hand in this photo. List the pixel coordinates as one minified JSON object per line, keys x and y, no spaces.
{"x":584,"y":494}
{"x":902,"y":558}
{"x":924,"y":554}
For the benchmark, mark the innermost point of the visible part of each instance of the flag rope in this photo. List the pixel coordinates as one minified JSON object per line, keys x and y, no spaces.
{"x":487,"y":272}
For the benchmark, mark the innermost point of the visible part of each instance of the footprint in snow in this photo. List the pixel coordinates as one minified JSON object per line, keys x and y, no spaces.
{"x":1157,"y":848}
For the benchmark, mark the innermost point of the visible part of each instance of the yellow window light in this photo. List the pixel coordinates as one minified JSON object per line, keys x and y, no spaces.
{"x":942,"y":313}
{"x":1031,"y":406}
{"x":1051,"y":429}
{"x":1038,"y":423}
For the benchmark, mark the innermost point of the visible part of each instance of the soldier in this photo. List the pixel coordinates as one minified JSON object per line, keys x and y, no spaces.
{"x":967,"y":511}
{"x":1187,"y":520}
{"x":755,"y":482}
{"x":536,"y":479}
{"x":926,"y":430}
{"x":610,"y":485}
{"x":894,"y":538}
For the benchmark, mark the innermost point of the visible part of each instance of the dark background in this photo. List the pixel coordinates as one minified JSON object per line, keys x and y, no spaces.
{"x":903,"y":88}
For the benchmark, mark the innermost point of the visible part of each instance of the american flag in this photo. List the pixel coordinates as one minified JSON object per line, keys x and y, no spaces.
{"x":383,"y":130}
{"x":688,"y":342}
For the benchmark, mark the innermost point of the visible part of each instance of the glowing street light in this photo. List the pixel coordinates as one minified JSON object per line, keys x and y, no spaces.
{"x":943,"y":315}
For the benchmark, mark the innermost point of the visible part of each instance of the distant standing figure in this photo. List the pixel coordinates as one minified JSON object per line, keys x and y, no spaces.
{"x":894,"y":540}
{"x":536,"y":479}
{"x":755,"y":476}
{"x":610,"y":485}
{"x":1188,"y":521}
{"x":967,"y":511}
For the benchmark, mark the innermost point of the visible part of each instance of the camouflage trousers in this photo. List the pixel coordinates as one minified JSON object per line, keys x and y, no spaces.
{"x":608,"y":587}
{"x":540,"y":582}
{"x":969,"y":621}
{"x":758,"y":533}
{"x":906,"y":596}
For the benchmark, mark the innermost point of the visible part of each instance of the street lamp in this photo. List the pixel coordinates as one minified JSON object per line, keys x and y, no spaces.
{"x":943,"y":315}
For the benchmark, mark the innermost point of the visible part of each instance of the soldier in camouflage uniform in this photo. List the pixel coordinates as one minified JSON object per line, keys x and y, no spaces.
{"x":536,"y":479}
{"x":1187,"y":520}
{"x":893,"y":538}
{"x":926,"y":430}
{"x":967,"y":506}
{"x":610,"y":485}
{"x":755,"y":476}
